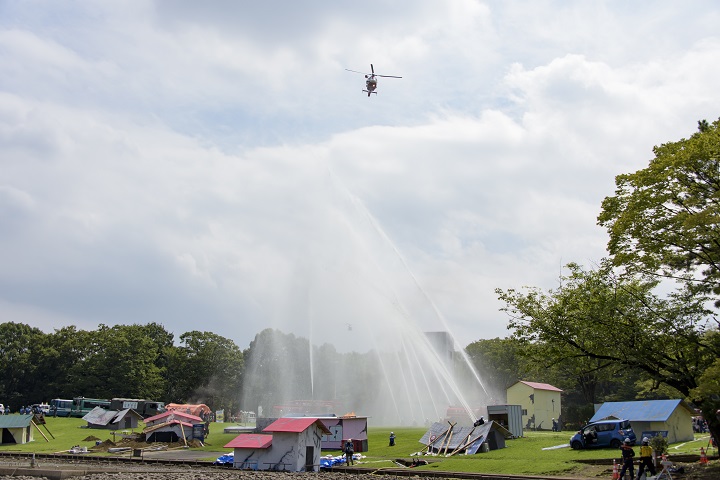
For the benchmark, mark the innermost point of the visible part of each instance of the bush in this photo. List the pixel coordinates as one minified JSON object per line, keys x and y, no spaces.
{"x":659,"y":444}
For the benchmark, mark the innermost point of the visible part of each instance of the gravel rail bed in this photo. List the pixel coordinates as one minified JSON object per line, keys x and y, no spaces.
{"x":53,"y":467}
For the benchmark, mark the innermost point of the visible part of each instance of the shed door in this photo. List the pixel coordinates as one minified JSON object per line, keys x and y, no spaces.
{"x":7,"y":437}
{"x":309,"y":458}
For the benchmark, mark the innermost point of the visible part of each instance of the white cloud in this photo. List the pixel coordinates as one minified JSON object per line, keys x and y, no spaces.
{"x":198,"y":165}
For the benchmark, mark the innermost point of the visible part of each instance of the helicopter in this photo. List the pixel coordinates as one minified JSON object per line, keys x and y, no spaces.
{"x":371,"y":79}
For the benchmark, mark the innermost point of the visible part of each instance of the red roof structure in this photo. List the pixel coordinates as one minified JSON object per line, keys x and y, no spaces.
{"x":166,"y":424}
{"x":185,"y":417}
{"x":198,"y":409}
{"x":250,"y":440}
{"x":295,"y":425}
{"x":541,"y":386}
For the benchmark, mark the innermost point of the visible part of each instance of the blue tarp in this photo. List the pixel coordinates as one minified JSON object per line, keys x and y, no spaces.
{"x":327,"y":462}
{"x":226,"y":459}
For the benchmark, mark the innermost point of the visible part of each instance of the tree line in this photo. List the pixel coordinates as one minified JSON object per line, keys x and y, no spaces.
{"x":128,"y":361}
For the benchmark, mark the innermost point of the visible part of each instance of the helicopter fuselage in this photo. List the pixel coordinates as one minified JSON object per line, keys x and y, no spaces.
{"x":370,"y":84}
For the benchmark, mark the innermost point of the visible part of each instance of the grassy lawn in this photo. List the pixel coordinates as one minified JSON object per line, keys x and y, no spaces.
{"x":521,"y":456}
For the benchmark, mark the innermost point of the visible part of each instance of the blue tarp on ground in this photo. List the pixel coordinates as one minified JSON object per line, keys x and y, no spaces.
{"x":226,"y":459}
{"x":327,"y":462}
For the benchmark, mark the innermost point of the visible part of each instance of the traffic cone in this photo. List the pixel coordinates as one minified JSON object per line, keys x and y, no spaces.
{"x":615,"y":475}
{"x":703,"y":457}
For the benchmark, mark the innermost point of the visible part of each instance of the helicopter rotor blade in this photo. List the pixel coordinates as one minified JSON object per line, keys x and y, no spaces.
{"x":388,"y":76}
{"x":372,"y":69}
{"x":355,"y":71}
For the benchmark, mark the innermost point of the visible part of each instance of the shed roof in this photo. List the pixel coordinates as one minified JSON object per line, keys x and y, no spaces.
{"x":15,"y":421}
{"x":167,"y":425}
{"x":250,"y":440}
{"x":640,"y":411}
{"x":100,"y":416}
{"x":540,"y":386}
{"x":295,"y":425}
{"x":186,"y":417}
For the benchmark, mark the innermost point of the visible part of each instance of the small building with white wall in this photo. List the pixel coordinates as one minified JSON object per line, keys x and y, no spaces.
{"x":540,"y":403}
{"x":288,"y":444}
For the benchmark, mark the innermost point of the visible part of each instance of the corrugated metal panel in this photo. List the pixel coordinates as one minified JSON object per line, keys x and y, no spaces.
{"x":641,"y":411}
{"x":15,"y":421}
{"x":99,"y":416}
{"x":438,"y":437}
{"x":250,"y":440}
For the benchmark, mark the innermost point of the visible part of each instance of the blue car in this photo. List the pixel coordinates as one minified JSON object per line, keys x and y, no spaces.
{"x":604,"y":433}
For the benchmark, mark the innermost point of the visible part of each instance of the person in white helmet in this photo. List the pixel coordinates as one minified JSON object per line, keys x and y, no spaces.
{"x":627,"y":458}
{"x":646,"y":458}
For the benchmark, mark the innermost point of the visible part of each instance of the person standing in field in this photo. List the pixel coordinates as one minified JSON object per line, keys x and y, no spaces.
{"x":349,"y":451}
{"x":628,"y":454}
{"x":646,"y":460}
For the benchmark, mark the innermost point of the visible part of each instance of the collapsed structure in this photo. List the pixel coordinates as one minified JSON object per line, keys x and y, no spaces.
{"x":450,"y":439}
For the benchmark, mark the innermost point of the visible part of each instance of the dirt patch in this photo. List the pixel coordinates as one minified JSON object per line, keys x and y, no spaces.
{"x":681,"y":471}
{"x":697,"y":471}
{"x":104,"y":446}
{"x":91,"y":438}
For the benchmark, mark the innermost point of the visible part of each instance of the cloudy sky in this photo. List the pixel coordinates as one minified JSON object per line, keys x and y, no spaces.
{"x":213,"y":166}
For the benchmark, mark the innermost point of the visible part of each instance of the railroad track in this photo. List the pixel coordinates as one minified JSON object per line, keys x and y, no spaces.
{"x":60,"y":462}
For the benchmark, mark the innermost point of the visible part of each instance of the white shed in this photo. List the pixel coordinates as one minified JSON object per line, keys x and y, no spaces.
{"x":294,"y":445}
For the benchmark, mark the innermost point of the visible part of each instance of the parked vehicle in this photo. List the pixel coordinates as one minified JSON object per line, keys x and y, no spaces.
{"x":60,"y":407}
{"x":40,"y":408}
{"x":82,"y":406}
{"x":604,"y":433}
{"x":146,"y":408}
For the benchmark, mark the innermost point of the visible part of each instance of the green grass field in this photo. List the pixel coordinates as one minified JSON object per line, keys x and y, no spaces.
{"x":521,"y":456}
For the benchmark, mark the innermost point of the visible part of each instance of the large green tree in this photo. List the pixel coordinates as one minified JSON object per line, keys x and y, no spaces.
{"x":120,"y":361}
{"x":618,"y":322}
{"x":21,"y":348}
{"x":206,"y":368}
{"x":665,"y":219}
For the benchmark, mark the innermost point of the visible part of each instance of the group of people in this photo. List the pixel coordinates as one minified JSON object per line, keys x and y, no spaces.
{"x":628,"y":457}
{"x":699,"y":425}
{"x":27,"y":410}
